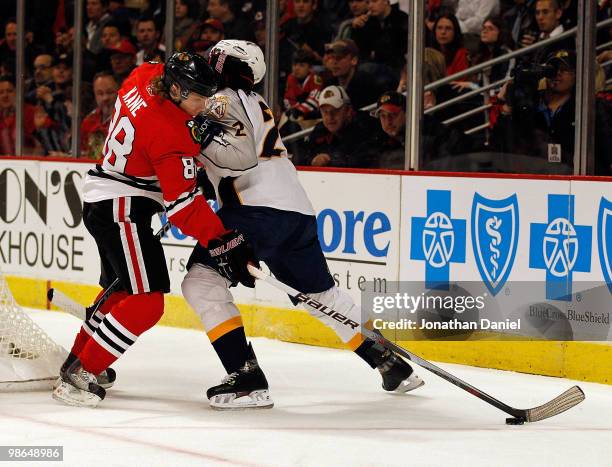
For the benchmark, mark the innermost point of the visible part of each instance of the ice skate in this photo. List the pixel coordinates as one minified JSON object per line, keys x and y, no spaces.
{"x":398,"y":375}
{"x":246,"y":388}
{"x":78,"y":387}
{"x":106,"y":379}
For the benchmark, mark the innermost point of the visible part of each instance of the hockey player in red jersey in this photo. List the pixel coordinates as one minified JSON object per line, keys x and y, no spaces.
{"x":148,"y":166}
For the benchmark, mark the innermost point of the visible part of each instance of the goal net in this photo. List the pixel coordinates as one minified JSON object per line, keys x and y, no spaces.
{"x":29,"y":359}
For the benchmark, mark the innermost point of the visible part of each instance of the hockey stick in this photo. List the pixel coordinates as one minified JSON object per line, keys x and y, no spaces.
{"x":559,"y":404}
{"x":61,"y":300}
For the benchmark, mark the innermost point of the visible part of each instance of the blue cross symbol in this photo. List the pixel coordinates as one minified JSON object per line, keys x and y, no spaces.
{"x":560,"y":247}
{"x":438,"y":239}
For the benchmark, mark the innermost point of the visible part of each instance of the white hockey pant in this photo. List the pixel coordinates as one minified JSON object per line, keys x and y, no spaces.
{"x":208,"y":294}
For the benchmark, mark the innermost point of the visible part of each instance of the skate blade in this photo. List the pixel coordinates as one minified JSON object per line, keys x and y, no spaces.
{"x":102,"y":381}
{"x":57,"y":383}
{"x":409,"y":384}
{"x":69,"y":395}
{"x":255,"y":400}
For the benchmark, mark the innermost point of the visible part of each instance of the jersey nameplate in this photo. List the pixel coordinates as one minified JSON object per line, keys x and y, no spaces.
{"x":134,"y":101}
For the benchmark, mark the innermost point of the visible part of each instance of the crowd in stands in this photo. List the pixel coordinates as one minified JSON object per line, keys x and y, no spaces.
{"x":342,"y":74}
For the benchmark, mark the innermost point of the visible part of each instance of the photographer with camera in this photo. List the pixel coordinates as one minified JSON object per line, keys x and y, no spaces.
{"x":538,"y":115}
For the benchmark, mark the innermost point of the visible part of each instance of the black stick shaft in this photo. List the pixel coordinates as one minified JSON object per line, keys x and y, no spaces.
{"x":257,"y":273}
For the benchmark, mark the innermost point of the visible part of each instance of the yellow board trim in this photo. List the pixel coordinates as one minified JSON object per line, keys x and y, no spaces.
{"x":585,"y":361}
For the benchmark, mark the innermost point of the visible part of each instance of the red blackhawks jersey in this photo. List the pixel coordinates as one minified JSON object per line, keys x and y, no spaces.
{"x":149,"y":152}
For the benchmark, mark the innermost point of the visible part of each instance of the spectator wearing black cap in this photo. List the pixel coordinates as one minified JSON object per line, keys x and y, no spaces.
{"x":147,"y":36}
{"x":383,"y":37}
{"x":391,"y":113}
{"x":438,"y":140}
{"x":344,"y":138}
{"x":303,"y":86}
{"x":363,"y":84}
{"x":545,"y":127}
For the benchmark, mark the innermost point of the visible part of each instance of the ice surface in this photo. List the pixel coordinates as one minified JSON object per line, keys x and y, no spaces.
{"x":330,"y":411}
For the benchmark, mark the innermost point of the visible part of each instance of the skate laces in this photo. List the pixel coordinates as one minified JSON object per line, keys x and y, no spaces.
{"x":229,"y":379}
{"x":82,"y":378}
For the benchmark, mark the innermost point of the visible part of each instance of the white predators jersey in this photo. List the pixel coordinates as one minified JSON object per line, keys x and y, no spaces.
{"x":250,"y":129}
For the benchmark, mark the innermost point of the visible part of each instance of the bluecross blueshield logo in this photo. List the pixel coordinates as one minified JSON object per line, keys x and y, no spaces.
{"x":495,"y":228}
{"x":604,"y":239}
{"x":438,"y":239}
{"x":560,"y":247}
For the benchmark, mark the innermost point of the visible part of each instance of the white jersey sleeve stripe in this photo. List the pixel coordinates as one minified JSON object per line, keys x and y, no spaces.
{"x":182,"y":201}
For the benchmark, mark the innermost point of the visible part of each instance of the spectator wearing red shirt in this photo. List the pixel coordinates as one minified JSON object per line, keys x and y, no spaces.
{"x":449,"y":40}
{"x":302,"y":86}
{"x":8,"y":120}
{"x":95,"y":126}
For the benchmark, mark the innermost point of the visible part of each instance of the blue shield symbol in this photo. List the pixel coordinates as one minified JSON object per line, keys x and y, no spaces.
{"x":495,"y":229}
{"x":604,"y":239}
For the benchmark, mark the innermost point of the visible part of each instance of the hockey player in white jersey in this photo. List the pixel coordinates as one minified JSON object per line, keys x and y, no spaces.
{"x":267,"y":203}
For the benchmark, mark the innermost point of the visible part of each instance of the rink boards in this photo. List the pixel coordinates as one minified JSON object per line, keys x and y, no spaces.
{"x":372,"y":227}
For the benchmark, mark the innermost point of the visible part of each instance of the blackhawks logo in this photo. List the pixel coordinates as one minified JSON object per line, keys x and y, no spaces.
{"x":195,"y":131}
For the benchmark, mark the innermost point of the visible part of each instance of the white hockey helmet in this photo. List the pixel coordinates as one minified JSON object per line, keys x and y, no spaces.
{"x":245,"y":51}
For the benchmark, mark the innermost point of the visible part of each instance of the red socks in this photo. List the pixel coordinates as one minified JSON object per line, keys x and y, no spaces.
{"x":90,"y":325}
{"x":119,"y":329}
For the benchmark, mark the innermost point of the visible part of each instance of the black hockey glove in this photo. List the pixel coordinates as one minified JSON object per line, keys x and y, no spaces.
{"x":205,"y":185}
{"x":203,"y":130}
{"x":232,"y":252}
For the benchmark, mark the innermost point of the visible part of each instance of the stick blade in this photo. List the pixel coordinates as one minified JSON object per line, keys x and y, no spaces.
{"x":570,"y":398}
{"x":61,"y":300}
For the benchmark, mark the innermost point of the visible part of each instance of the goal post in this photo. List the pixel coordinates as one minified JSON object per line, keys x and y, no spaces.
{"x":29,"y":358}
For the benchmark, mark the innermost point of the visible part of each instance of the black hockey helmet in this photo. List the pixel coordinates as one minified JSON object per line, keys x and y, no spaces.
{"x":192,"y":73}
